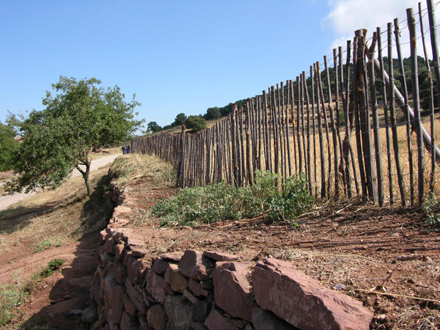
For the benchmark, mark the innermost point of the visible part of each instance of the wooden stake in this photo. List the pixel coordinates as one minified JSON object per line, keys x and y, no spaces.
{"x":385,"y":110}
{"x":321,"y":137}
{"x":393,"y":117}
{"x":431,"y":99}
{"x":416,"y":101}
{"x":372,"y":80}
{"x":408,"y":121}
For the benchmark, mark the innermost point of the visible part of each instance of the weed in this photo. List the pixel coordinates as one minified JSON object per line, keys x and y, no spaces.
{"x":46,"y":244}
{"x":215,"y":202}
{"x":52,"y":265}
{"x":433,"y":217}
{"x":293,"y":199}
{"x":10,"y":298}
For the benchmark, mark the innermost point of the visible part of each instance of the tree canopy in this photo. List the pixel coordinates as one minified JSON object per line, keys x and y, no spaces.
{"x":180,"y":119}
{"x":153,"y":127}
{"x":196,"y":123}
{"x":79,"y":118}
{"x":8,"y":147}
{"x":212,"y":113}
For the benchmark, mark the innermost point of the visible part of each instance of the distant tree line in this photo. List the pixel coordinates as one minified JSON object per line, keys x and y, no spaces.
{"x":196,"y":123}
{"x":214,"y":113}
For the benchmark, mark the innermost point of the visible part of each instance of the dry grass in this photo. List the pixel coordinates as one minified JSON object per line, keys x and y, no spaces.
{"x":133,"y":166}
{"x":59,"y":215}
{"x":68,"y":211}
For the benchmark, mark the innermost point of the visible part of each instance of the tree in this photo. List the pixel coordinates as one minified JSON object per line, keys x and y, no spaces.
{"x":80,"y":118}
{"x":212,"y":113}
{"x":180,"y":119}
{"x":154,"y":127}
{"x":8,"y":147}
{"x":196,"y":123}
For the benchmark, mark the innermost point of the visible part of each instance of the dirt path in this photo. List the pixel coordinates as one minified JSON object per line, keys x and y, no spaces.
{"x":57,"y":295}
{"x":7,"y":200}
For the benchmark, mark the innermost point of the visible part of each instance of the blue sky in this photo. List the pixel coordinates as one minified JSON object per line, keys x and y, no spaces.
{"x":176,"y":56}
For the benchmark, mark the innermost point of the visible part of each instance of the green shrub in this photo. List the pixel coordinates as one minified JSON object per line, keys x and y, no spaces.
{"x":293,"y":199}
{"x":9,"y":147}
{"x":46,"y":244}
{"x":196,"y":123}
{"x":52,"y":265}
{"x":215,"y":202}
{"x":10,"y":298}
{"x":433,"y":217}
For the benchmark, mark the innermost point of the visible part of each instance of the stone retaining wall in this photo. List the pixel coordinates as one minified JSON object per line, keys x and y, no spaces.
{"x":208,"y":290}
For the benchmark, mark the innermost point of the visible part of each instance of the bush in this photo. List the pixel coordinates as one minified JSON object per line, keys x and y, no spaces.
{"x":293,"y":199}
{"x":215,"y":202}
{"x":429,"y":208}
{"x":179,"y":120}
{"x":195,"y":123}
{"x":9,"y":147}
{"x":212,"y":113}
{"x":52,"y":266}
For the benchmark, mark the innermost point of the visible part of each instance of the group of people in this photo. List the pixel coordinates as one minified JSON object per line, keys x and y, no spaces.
{"x":125,"y":149}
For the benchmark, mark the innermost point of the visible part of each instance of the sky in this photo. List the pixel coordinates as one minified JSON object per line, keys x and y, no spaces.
{"x":176,"y":56}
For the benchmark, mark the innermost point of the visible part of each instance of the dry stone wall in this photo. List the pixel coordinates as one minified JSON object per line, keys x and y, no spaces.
{"x":208,"y":290}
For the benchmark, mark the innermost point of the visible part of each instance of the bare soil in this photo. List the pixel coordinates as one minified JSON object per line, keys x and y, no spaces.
{"x":386,"y":257}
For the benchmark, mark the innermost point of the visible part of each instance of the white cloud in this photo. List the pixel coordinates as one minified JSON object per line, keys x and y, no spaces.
{"x":347,"y":16}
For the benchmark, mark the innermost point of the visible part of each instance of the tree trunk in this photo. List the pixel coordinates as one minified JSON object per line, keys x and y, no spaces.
{"x":86,"y":175}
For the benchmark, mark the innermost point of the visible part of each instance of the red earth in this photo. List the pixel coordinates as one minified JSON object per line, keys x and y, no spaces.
{"x":388,"y":258}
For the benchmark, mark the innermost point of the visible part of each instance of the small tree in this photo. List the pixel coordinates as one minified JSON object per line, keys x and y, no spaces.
{"x":180,"y":119}
{"x":154,"y":127}
{"x":82,"y":117}
{"x":212,"y":113}
{"x":195,"y":123}
{"x":8,"y":147}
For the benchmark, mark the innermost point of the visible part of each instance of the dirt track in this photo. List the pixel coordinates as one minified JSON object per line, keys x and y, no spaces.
{"x":7,"y":200}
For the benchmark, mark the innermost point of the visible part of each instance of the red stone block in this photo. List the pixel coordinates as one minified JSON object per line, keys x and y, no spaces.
{"x":232,"y":290}
{"x":160,"y":265}
{"x":303,"y":301}
{"x":216,"y":321}
{"x":194,"y":265}
{"x":155,"y":286}
{"x":157,"y":317}
{"x":175,"y":279}
{"x":220,"y":256}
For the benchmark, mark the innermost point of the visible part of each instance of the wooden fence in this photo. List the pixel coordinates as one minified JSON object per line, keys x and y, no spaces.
{"x":329,"y":125}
